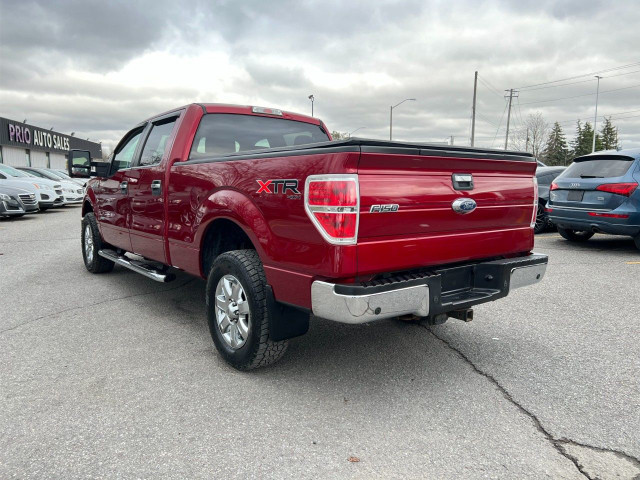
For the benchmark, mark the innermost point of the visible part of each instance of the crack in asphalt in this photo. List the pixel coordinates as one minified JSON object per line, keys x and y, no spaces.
{"x":558,"y":443}
{"x":94,"y":304}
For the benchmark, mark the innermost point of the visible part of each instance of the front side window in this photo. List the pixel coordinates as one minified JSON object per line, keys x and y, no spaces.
{"x":125,"y":151}
{"x":156,"y":143}
{"x":222,"y":133}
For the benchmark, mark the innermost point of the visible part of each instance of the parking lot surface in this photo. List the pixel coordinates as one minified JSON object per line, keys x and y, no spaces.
{"x":115,"y":376}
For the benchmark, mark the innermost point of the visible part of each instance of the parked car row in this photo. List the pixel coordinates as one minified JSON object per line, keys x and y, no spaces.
{"x":598,"y":193}
{"x":29,"y":189}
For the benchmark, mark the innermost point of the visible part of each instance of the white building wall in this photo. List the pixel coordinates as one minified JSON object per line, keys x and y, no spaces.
{"x":39,"y":159}
{"x":58,"y":161}
{"x":14,"y":156}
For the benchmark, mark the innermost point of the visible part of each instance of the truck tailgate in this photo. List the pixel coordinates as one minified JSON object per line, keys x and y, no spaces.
{"x":425,"y":229}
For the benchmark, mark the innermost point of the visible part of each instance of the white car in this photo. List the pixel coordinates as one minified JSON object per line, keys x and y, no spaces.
{"x":72,"y":192}
{"x":49,"y":193}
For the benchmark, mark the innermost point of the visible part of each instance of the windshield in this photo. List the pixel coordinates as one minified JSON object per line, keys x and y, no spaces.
{"x":219,"y":134}
{"x":13,"y":172}
{"x":49,"y":174}
{"x":599,"y":168}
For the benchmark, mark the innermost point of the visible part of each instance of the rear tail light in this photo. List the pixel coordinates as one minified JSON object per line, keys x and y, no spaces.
{"x":608,"y":215}
{"x":554,"y":186}
{"x":332,"y":203}
{"x":535,"y":202}
{"x":625,"y":189}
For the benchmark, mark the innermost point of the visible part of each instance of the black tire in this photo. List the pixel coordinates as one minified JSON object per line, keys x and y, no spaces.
{"x":542,"y":222}
{"x":637,"y":240}
{"x":94,"y":262}
{"x":257,"y":350}
{"x":44,"y":209}
{"x":574,"y":235}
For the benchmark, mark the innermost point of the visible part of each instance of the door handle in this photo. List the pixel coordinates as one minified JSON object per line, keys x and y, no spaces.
{"x":156,"y":187}
{"x":124,"y":187}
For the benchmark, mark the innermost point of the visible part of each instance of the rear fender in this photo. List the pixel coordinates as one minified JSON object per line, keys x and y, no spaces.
{"x":237,"y":207}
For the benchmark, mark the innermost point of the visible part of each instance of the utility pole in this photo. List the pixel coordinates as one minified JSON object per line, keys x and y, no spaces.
{"x":473,"y":109}
{"x":511,"y":95}
{"x":451,"y":141}
{"x":595,"y":118}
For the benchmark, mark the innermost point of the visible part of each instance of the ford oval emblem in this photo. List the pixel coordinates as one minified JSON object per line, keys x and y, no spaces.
{"x":464,"y":205}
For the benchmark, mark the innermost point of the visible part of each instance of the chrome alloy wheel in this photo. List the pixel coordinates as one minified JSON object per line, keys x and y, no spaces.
{"x":88,"y":244}
{"x":232,"y":311}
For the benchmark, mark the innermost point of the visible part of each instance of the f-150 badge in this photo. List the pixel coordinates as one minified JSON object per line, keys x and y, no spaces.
{"x":390,"y":207}
{"x":279,"y":186}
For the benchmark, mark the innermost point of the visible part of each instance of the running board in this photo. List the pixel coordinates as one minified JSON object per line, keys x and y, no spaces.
{"x":139,"y":267}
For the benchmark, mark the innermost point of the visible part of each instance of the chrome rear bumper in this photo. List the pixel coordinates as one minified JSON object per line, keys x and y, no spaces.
{"x":425,"y":294}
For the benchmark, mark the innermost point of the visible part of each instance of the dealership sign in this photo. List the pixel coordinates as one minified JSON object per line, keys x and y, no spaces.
{"x":37,"y":137}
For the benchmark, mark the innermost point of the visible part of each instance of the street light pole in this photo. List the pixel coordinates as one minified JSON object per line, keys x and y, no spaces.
{"x":595,"y":118}
{"x":312,"y":98}
{"x":359,"y":128}
{"x":391,"y":115}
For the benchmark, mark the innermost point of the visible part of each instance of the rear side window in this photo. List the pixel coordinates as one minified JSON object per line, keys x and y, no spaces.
{"x":156,"y":143}
{"x":599,"y":168}
{"x":221,"y":133}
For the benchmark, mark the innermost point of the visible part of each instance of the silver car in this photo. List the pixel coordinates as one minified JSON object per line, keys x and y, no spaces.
{"x":48,"y":193}
{"x":15,"y":202}
{"x":72,"y":192}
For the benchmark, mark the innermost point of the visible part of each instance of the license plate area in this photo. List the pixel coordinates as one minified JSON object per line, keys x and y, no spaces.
{"x":575,"y":195}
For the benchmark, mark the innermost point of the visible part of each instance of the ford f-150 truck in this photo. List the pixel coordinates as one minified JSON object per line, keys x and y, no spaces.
{"x":283,"y":222}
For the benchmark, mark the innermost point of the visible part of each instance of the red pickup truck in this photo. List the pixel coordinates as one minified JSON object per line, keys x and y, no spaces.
{"x":283,"y":222}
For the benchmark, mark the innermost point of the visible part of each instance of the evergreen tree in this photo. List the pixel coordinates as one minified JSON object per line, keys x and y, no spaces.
{"x":609,"y":135}
{"x":583,"y":142}
{"x":556,"y":151}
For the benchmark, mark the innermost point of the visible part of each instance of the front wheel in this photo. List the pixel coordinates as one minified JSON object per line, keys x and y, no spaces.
{"x":574,"y":235}
{"x":91,"y":244}
{"x":237,"y":311}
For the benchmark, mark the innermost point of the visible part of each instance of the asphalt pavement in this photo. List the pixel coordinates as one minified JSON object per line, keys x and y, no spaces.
{"x":116,"y":376}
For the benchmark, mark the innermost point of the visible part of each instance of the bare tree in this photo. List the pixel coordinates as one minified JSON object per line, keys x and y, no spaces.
{"x":531,"y":136}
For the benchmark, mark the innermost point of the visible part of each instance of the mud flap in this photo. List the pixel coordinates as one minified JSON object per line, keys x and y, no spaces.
{"x":285,"y":321}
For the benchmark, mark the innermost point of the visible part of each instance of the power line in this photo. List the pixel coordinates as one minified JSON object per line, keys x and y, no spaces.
{"x":621,"y":67}
{"x":489,"y":86}
{"x":583,"y":95}
{"x":613,"y":115}
{"x":499,"y":123}
{"x":581,"y":81}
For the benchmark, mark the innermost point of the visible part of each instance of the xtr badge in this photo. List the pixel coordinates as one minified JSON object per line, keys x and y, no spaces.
{"x":279,"y":186}
{"x":464,"y":205}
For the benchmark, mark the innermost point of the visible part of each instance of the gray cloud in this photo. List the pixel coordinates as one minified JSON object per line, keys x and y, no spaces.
{"x":357,"y":58}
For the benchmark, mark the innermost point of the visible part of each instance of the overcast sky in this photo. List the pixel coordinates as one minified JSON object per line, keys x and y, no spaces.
{"x":98,"y":68}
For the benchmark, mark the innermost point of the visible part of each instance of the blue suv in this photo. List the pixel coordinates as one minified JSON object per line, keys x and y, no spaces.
{"x":598,"y":193}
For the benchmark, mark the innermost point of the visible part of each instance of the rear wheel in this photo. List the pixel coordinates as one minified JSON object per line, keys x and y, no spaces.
{"x":91,"y":244}
{"x":237,"y":311}
{"x":637,"y":240}
{"x":575,"y":235}
{"x":541,"y":219}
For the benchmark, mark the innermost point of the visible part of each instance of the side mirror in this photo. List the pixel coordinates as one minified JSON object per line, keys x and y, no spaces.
{"x":100,"y":169}
{"x":79,"y":163}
